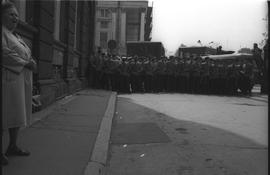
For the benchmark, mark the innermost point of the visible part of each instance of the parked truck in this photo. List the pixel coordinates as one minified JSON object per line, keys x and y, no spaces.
{"x":145,"y":48}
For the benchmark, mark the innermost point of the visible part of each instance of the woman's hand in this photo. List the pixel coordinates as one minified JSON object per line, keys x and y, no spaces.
{"x":31,"y":65}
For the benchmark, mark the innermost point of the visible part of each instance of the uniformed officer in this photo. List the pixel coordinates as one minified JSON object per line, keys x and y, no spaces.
{"x":196,"y":75}
{"x":133,"y":75}
{"x":160,"y":73}
{"x":169,"y":75}
{"x":180,"y":76}
{"x":115,"y":73}
{"x":106,"y":69}
{"x":154,"y":66}
{"x":191,"y":75}
{"x":222,"y":71}
{"x":99,"y":71}
{"x":230,"y":79}
{"x":204,"y":74}
{"x":140,"y":75}
{"x":213,"y":71}
{"x":148,"y":81}
{"x":186,"y":76}
{"x":91,"y":73}
{"x":245,"y":79}
{"x":238,"y":71}
{"x":124,"y":77}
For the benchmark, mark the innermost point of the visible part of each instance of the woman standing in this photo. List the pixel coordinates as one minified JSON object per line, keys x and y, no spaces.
{"x":17,"y":66}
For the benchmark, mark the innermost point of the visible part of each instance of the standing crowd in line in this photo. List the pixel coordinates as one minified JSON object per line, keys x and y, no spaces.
{"x":172,"y":75}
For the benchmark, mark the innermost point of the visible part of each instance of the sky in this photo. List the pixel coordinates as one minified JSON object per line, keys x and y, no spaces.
{"x":233,"y":24}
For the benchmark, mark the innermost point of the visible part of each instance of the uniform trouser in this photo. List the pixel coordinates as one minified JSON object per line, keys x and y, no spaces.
{"x":191,"y":84}
{"x":244,"y":84}
{"x":155,"y":83}
{"x":170,"y":83}
{"x":177,"y":83}
{"x":106,"y":81}
{"x":94,"y":78}
{"x":163,"y":82}
{"x":136,"y":83}
{"x":213,"y":85}
{"x":142,"y":79}
{"x":133,"y":83}
{"x":110,"y":81}
{"x":139,"y":83}
{"x":249,"y":84}
{"x":181,"y":81}
{"x":220,"y":84}
{"x":127,"y":83}
{"x":159,"y":81}
{"x":204,"y":84}
{"x":196,"y":84}
{"x":231,"y":85}
{"x":185,"y":84}
{"x":123,"y":83}
{"x":148,"y":84}
{"x":114,"y":81}
{"x":98,"y":80}
{"x":89,"y":75}
{"x":216,"y":85}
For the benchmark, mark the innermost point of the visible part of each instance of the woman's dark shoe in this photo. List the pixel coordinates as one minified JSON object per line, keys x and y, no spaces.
{"x":4,"y":160}
{"x":15,"y":151}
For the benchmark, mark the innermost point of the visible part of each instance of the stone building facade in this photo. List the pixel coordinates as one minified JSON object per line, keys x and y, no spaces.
{"x":121,"y":21}
{"x":60,"y":35}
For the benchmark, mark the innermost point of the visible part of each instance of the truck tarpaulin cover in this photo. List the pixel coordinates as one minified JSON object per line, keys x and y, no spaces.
{"x":145,"y":49}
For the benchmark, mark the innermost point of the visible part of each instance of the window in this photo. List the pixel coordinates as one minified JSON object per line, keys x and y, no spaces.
{"x":103,"y":39}
{"x":133,"y":25}
{"x":104,"y":24}
{"x":76,"y":25}
{"x":56,"y":19}
{"x":133,"y":33}
{"x":104,"y":13}
{"x":63,"y":21}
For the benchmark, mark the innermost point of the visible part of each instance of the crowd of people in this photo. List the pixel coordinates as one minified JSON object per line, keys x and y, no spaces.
{"x":173,"y":75}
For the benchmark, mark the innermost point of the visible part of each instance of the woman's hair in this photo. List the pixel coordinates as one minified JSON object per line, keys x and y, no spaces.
{"x":6,"y":5}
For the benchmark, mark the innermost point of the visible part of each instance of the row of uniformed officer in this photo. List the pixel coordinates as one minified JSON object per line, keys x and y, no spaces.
{"x":139,"y":75}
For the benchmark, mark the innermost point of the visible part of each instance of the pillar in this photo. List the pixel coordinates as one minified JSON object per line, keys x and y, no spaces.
{"x":113,"y":26}
{"x":123,"y":33}
{"x":142,"y":26}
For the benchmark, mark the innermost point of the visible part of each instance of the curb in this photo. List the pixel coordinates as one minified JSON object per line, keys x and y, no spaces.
{"x":100,"y":151}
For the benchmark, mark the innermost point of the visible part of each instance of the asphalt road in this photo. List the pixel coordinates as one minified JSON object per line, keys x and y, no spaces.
{"x":182,"y":134}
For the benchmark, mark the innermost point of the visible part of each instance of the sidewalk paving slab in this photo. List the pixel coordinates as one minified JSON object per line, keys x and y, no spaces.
{"x":62,"y":140}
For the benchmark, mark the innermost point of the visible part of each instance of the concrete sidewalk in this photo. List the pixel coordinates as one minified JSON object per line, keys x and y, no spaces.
{"x":70,"y":137}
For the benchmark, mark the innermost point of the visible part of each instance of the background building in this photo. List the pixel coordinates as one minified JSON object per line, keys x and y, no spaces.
{"x":121,"y":21}
{"x":60,"y":35}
